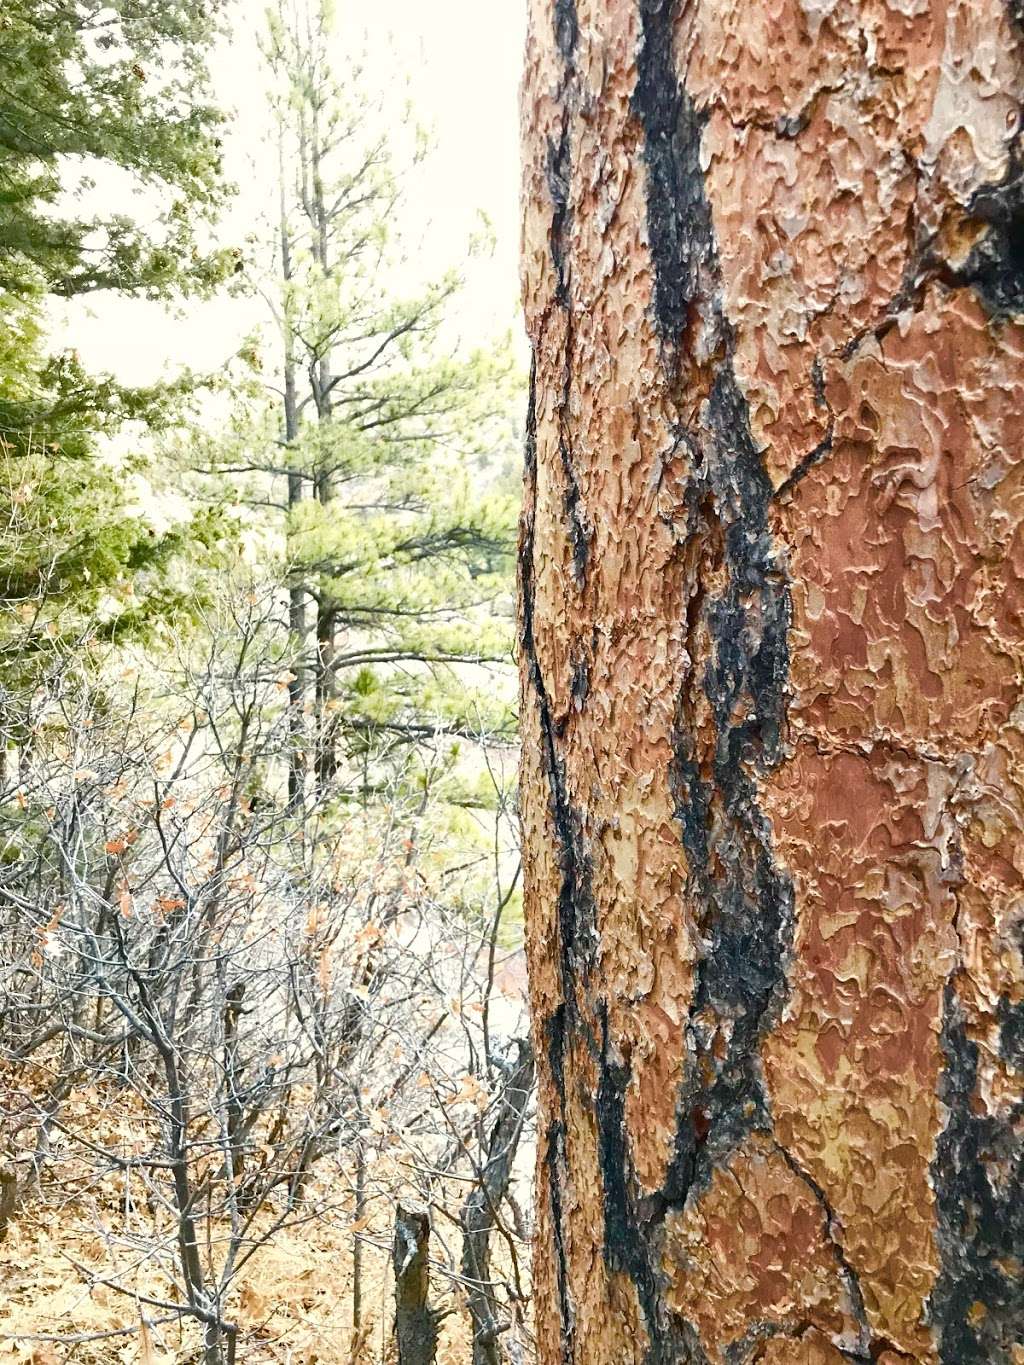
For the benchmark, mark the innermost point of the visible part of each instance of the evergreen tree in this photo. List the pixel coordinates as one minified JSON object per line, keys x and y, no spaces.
{"x":394,"y":559}
{"x":91,"y":94}
{"x":86,"y":87}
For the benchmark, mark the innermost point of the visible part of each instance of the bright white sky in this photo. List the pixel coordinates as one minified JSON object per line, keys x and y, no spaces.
{"x":462,"y":60}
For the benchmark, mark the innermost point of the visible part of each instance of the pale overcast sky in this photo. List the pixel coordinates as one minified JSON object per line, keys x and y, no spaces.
{"x":462,"y":59}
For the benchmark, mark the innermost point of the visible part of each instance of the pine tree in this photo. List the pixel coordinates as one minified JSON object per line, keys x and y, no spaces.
{"x":396,"y":562}
{"x":91,"y":95}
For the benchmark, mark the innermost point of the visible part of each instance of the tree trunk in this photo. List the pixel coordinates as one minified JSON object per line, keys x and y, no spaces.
{"x":325,"y":691}
{"x":320,"y":376}
{"x":415,"y":1321}
{"x":480,"y":1211}
{"x":296,"y":592}
{"x":772,"y":632}
{"x":359,"y":1209}
{"x":8,"y":1200}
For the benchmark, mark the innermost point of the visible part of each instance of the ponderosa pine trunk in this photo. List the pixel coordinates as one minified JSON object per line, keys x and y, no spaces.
{"x":772,"y":628}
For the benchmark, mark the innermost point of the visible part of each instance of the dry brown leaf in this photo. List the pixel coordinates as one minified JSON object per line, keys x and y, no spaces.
{"x":253,"y":1304}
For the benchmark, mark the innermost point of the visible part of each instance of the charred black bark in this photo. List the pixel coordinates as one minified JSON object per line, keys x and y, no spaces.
{"x":559,"y":176}
{"x":995,"y":268}
{"x":744,"y":901}
{"x":628,"y":1231}
{"x":678,"y":214}
{"x":575,"y":911}
{"x":977,"y":1306}
{"x":567,"y":28}
{"x":555,"y":1164}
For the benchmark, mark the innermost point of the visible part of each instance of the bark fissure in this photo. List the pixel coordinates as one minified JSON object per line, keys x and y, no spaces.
{"x":866,"y":1348}
{"x":812,"y":458}
{"x":743,"y":899}
{"x":627,"y":1245}
{"x":576,"y":913}
{"x":556,"y":1165}
{"x":575,"y":908}
{"x":559,"y":181}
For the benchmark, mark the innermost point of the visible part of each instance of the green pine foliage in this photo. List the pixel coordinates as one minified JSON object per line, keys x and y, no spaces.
{"x":111,"y":97}
{"x":86,"y":88}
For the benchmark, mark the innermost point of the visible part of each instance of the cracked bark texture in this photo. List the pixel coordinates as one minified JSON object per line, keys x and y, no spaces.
{"x":772,"y":642}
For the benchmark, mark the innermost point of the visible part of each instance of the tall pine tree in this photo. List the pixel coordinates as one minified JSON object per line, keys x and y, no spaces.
{"x":394,"y":559}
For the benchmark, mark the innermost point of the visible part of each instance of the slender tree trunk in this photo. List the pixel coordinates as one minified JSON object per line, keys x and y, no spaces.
{"x":325,"y":692}
{"x":359,"y":1210}
{"x":772,"y":630}
{"x":233,"y":1084}
{"x":415,"y":1321}
{"x":320,"y":377}
{"x":296,"y":592}
{"x":8,"y":1200}
{"x":480,"y":1211}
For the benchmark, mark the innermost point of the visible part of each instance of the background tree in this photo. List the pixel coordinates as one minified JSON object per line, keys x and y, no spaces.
{"x":99,"y":104}
{"x":394,"y":553}
{"x":87,"y":87}
{"x":772,"y":640}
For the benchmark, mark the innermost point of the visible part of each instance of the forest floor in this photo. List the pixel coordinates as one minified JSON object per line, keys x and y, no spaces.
{"x":293,"y":1301}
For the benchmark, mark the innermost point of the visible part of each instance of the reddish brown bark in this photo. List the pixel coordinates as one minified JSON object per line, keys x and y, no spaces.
{"x":772,"y":650}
